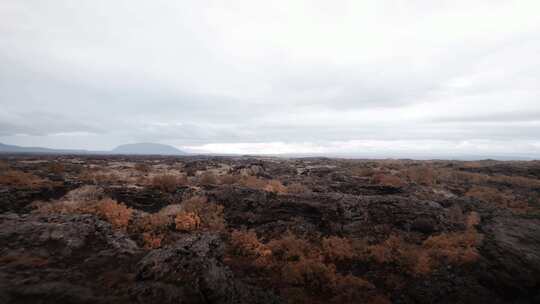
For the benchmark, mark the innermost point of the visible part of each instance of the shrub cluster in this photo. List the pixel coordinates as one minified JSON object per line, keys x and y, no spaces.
{"x":20,"y":179}
{"x":300,"y":269}
{"x":169,"y":182}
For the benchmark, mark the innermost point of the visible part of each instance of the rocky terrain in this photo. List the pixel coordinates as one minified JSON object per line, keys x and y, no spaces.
{"x":188,"y":229}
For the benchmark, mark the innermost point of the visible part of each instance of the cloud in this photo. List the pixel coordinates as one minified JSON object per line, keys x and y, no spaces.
{"x":307,"y":75}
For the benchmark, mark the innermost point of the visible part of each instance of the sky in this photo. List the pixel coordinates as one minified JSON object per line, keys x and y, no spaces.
{"x":369,"y":78}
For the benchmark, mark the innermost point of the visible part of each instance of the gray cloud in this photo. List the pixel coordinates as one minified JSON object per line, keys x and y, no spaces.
{"x":200,"y":73}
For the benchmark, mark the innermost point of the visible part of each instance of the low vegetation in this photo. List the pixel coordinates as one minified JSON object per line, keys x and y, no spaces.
{"x":304,"y":230}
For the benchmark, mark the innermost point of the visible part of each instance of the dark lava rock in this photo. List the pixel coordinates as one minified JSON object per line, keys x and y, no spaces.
{"x":80,"y":259}
{"x":192,"y":271}
{"x":18,"y":199}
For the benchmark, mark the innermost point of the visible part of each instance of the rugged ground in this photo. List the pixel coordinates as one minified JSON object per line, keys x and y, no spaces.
{"x":98,"y":229}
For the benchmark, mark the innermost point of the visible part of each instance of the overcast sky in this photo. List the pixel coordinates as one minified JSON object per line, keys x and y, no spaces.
{"x":376,"y":77}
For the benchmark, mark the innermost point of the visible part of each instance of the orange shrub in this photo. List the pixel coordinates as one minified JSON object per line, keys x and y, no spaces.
{"x":453,"y":246}
{"x":421,"y":175}
{"x":152,"y":241}
{"x":337,"y":249}
{"x":168,"y":183}
{"x":208,"y":178}
{"x":310,"y":273}
{"x":142,"y":167}
{"x":211,"y":215}
{"x":117,"y":214}
{"x":20,"y":179}
{"x":387,"y":180}
{"x":228,"y":179}
{"x":187,"y":221}
{"x":246,"y":243}
{"x":4,"y":166}
{"x":275,"y":186}
{"x":154,"y":222}
{"x":56,"y":168}
{"x":388,"y":251}
{"x":252,"y":182}
{"x":292,"y":248}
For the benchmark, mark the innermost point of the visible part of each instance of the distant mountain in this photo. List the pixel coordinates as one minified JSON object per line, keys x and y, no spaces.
{"x":18,"y":149}
{"x":147,"y":149}
{"x":133,"y":149}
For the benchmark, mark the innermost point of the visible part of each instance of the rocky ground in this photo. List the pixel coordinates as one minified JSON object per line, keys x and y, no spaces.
{"x":98,"y":229}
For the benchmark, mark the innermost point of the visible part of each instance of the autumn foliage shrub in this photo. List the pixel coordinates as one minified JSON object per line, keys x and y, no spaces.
{"x":503,"y":199}
{"x":421,"y":175}
{"x":246,"y":243}
{"x":228,"y":179}
{"x":56,"y":168}
{"x":337,"y":249}
{"x":117,"y":214}
{"x":187,"y":221}
{"x":210,"y":214}
{"x":142,"y":167}
{"x":20,"y":179}
{"x":387,"y":180}
{"x":272,"y":185}
{"x":168,"y":182}
{"x":208,"y":178}
{"x":456,"y":248}
{"x":298,"y":268}
{"x":251,"y":181}
{"x":275,"y":186}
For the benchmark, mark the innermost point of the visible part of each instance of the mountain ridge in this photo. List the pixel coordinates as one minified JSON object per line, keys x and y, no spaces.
{"x":127,"y":149}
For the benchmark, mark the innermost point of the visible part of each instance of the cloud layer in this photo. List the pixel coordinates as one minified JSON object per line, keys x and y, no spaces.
{"x":273,"y":77}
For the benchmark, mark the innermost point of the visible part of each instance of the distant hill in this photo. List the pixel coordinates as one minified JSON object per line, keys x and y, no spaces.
{"x":18,"y":149}
{"x":147,"y":149}
{"x":129,"y":149}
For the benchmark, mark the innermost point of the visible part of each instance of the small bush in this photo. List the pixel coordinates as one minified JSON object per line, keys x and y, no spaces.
{"x":187,"y":221}
{"x":387,"y":180}
{"x":421,"y":175}
{"x":337,"y":249}
{"x":207,"y":179}
{"x":246,"y":243}
{"x":168,"y":183}
{"x":275,"y":186}
{"x":142,"y":167}
{"x":151,"y":240}
{"x":56,"y":168}
{"x":251,"y":181}
{"x":228,"y":179}
{"x":20,"y":179}
{"x":117,"y":214}
{"x":211,"y":215}
{"x":85,"y":193}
